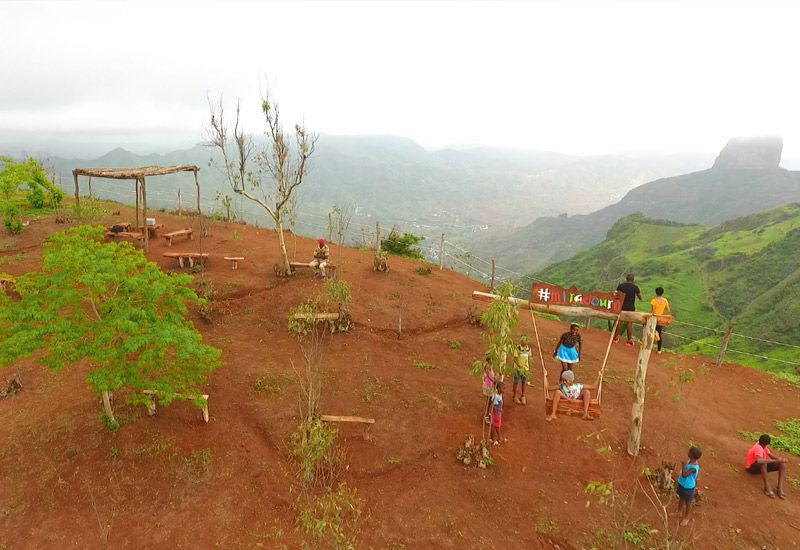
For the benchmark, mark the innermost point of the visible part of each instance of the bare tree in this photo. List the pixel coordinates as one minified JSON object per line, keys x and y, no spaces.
{"x":339,"y":221}
{"x":267,"y":176}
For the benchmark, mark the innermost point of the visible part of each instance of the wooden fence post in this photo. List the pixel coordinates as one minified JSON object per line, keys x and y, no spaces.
{"x":640,"y":386}
{"x":493,"y":271}
{"x":441,"y":254}
{"x":180,"y":204}
{"x":377,"y":237}
{"x":724,"y":347}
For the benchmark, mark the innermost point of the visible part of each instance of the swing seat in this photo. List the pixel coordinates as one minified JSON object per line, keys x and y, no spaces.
{"x":568,"y":407}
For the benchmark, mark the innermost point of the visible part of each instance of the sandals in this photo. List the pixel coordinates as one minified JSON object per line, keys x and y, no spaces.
{"x":781,"y":495}
{"x":769,"y":493}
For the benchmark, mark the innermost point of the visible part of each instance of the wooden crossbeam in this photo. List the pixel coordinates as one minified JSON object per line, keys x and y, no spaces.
{"x":358,"y":419}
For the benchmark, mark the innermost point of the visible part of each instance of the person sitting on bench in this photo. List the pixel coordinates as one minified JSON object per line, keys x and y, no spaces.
{"x":321,"y":255}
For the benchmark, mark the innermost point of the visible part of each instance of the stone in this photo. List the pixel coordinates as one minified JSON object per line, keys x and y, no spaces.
{"x":752,"y":152}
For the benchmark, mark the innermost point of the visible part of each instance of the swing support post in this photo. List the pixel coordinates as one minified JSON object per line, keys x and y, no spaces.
{"x":640,"y":387}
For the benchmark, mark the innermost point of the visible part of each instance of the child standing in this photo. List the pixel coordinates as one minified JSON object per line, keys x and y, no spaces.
{"x":521,"y":361}
{"x":687,"y":483}
{"x":659,"y":305}
{"x":488,"y":386}
{"x":569,"y":348}
{"x":497,"y":413}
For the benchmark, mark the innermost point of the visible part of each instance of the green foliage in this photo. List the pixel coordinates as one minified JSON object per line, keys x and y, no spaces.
{"x":111,"y":424}
{"x":28,"y":175}
{"x":789,"y":441}
{"x":454,"y":344}
{"x":314,"y":447}
{"x":422,"y":270}
{"x":301,"y":318}
{"x":337,"y":292}
{"x":500,"y":320}
{"x":332,"y":520}
{"x":547,"y":526}
{"x":402,"y":245}
{"x":603,"y":491}
{"x":14,"y":226}
{"x":107,"y":305}
{"x":637,"y":534}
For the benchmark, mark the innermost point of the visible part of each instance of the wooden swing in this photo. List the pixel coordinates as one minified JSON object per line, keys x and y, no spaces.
{"x":568,"y":406}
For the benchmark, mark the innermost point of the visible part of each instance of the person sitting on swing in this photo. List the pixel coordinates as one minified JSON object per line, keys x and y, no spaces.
{"x":569,"y":348}
{"x":321,"y":255}
{"x":569,"y":389}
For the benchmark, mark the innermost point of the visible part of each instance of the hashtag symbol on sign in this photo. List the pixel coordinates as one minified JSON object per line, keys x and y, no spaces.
{"x":544,"y":294}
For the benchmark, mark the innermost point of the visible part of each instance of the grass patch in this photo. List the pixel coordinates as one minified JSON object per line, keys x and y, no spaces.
{"x":422,"y":365}
{"x":314,"y":447}
{"x":788,"y":442}
{"x":332,"y":520}
{"x":547,"y":526}
{"x":603,"y":491}
{"x":454,"y":344}
{"x":393,"y":460}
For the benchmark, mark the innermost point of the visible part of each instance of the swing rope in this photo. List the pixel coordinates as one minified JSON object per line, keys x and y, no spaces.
{"x":602,"y":367}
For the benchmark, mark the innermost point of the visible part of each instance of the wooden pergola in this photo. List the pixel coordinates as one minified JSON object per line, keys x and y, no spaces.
{"x":139,"y":175}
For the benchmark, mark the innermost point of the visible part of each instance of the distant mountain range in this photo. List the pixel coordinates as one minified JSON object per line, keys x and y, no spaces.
{"x":458,"y":191}
{"x":744,"y":271}
{"x":745,"y":178}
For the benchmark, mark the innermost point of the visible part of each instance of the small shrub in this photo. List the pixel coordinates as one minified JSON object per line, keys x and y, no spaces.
{"x":313,"y":445}
{"x":637,"y":534}
{"x":332,"y":519}
{"x":114,"y":452}
{"x":454,"y":344}
{"x":603,"y":491}
{"x":337,"y":292}
{"x":404,"y":245}
{"x":14,"y":226}
{"x":393,"y":460}
{"x":547,"y":526}
{"x":112,"y":425}
{"x":422,"y":270}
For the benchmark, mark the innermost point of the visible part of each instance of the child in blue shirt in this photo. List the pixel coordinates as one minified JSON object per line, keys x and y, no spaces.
{"x":687,"y":483}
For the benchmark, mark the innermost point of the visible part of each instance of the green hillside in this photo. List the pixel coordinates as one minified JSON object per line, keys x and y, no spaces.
{"x":744,"y":271}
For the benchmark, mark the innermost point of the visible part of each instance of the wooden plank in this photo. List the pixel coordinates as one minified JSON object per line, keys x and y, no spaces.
{"x":317,"y":316}
{"x":639,"y":317}
{"x":359,"y":419}
{"x":570,"y":407}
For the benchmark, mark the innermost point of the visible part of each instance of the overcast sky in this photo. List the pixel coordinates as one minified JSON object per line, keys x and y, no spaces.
{"x":575,"y":77}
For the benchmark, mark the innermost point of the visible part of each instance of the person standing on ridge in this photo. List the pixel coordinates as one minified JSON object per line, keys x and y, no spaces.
{"x":629,"y":294}
{"x":659,"y":306}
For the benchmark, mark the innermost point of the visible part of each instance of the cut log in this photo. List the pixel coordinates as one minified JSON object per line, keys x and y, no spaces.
{"x":334,"y":418}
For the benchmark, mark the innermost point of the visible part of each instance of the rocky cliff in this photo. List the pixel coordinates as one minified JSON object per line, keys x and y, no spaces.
{"x":756,"y":152}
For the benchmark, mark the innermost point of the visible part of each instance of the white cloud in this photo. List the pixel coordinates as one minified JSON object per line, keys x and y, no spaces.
{"x":570,"y":76}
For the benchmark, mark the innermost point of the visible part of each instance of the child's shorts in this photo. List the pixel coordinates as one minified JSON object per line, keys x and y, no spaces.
{"x":755,"y":468}
{"x":520,"y":377}
{"x":497,"y":420}
{"x":686,"y":495}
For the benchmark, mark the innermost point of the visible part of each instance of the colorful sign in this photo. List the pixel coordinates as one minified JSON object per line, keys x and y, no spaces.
{"x":551,"y":294}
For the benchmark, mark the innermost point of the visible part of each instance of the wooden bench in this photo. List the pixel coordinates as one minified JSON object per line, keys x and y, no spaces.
{"x":191,"y":256}
{"x":234,"y":260}
{"x":126,"y":235}
{"x":151,"y":405}
{"x":152,"y":229}
{"x":179,"y":233}
{"x":330,"y":269}
{"x":350,"y":419}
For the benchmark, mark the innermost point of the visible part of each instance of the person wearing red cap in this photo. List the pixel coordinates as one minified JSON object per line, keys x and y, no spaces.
{"x":321,"y":255}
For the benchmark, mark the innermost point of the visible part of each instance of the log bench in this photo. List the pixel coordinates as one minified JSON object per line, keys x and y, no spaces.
{"x":126,"y":235}
{"x":190,"y":256}
{"x":179,"y":233}
{"x":330,"y":269}
{"x":151,"y":405}
{"x":234,"y":260}
{"x":152,"y":229}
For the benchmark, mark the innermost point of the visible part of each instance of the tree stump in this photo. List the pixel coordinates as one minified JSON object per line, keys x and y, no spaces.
{"x":380,"y":263}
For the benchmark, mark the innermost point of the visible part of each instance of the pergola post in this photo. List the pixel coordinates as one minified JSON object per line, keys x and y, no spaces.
{"x":640,"y":386}
{"x":77,"y":193}
{"x":136,"y":187}
{"x":144,"y":215}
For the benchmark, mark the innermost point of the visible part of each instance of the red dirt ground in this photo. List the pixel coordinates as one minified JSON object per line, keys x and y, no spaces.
{"x":172,"y":481}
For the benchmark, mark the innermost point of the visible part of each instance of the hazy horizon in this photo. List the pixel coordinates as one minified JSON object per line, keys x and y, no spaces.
{"x":579,"y":78}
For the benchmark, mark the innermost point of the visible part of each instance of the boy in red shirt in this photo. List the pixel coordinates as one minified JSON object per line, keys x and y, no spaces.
{"x":760,"y":460}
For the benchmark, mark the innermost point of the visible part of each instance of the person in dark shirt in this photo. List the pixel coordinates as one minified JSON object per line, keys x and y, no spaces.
{"x":628,"y":292}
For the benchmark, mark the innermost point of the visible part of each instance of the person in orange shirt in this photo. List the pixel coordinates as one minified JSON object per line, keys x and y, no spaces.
{"x":660,"y":306}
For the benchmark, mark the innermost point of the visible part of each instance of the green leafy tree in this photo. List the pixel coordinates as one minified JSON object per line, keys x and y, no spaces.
{"x":29,"y":175}
{"x":107,"y":306}
{"x":500,"y":319}
{"x":402,"y":245}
